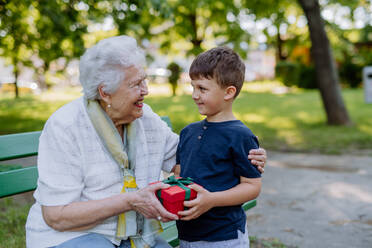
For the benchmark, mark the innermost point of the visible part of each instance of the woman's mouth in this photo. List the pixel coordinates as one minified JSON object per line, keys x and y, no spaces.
{"x":139,"y":104}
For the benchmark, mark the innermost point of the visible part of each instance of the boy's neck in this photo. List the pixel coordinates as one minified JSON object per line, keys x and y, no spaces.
{"x":224,"y":115}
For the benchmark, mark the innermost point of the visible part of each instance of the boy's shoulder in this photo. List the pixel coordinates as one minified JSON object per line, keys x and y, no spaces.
{"x":239,"y":128}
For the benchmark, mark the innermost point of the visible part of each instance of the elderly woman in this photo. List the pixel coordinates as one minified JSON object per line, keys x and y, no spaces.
{"x":97,"y":156}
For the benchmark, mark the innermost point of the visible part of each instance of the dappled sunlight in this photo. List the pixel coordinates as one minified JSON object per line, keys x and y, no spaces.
{"x":343,"y":190}
{"x":272,"y":86}
{"x":164,"y":89}
{"x":177,"y":108}
{"x":281,"y":122}
{"x":251,"y":117}
{"x":366,"y":129}
{"x":291,"y":137}
{"x":159,"y":90}
{"x":65,"y":95}
{"x":304,"y":116}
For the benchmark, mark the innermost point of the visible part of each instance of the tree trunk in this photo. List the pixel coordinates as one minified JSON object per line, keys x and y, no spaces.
{"x":280,"y":42}
{"x":41,"y":76}
{"x":195,"y":40}
{"x":15,"y":70}
{"x":326,"y":72}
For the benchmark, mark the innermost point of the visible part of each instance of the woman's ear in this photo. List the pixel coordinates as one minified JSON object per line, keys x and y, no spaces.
{"x":104,"y":96}
{"x":230,"y":92}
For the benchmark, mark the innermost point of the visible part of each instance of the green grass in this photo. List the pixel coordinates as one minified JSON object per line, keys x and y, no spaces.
{"x":29,"y":113}
{"x":12,"y":223}
{"x":287,"y":122}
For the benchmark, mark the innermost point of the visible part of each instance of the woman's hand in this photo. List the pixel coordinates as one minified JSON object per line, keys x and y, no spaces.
{"x":146,"y":203}
{"x":201,"y":204}
{"x":258,"y":158}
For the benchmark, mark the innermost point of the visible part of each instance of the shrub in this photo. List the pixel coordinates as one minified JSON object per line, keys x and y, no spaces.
{"x":296,"y":74}
{"x":175,"y":70}
{"x":307,"y":79}
{"x":287,"y":72}
{"x":351,"y":74}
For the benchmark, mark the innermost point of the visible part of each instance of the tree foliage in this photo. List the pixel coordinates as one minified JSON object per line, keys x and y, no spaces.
{"x":49,"y":30}
{"x":16,"y":34}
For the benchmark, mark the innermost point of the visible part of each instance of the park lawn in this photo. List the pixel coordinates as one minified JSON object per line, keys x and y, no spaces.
{"x":13,"y":218}
{"x":286,"y":122}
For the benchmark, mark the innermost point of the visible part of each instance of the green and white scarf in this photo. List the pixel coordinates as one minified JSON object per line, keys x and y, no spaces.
{"x":131,"y":224}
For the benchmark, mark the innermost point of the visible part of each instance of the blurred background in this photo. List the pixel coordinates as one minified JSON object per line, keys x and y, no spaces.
{"x":304,"y":62}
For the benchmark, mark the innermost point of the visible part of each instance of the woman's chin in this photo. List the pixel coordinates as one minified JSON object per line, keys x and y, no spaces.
{"x":138,"y":114}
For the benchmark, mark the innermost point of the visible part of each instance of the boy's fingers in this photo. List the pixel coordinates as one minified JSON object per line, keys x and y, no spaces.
{"x":196,"y":187}
{"x":185,"y":212}
{"x":190,"y":203}
{"x":165,"y":214}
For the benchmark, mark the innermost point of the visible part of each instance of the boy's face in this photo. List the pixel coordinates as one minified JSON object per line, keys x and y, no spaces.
{"x":208,"y":96}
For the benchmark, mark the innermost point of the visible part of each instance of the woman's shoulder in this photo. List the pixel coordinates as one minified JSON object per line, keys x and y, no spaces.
{"x":68,"y":113}
{"x":150,"y":117}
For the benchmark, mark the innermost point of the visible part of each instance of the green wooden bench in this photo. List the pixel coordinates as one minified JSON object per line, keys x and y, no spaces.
{"x":19,"y":180}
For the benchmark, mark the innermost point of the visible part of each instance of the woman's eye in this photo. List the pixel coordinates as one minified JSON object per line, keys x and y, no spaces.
{"x":136,"y":85}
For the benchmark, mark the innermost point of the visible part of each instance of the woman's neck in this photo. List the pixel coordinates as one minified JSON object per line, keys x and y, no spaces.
{"x":120,"y":130}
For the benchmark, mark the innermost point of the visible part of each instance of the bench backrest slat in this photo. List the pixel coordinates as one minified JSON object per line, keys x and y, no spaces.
{"x":18,"y":181}
{"x":19,"y":145}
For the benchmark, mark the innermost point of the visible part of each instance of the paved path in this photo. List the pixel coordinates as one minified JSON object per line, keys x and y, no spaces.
{"x":311,"y":200}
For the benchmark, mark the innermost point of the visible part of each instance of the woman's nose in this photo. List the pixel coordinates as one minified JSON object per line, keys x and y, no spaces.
{"x":144,"y":88}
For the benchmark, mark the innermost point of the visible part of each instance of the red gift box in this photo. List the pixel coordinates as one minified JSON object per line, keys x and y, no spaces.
{"x":173,"y":197}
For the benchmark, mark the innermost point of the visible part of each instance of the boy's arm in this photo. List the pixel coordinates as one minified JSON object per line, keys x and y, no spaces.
{"x":248,"y":189}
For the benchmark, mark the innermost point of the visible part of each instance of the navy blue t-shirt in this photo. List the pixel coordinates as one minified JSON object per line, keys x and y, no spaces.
{"x":215,"y":155}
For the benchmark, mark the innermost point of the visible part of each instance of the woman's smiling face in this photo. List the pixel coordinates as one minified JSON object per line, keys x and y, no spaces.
{"x":127,"y":100}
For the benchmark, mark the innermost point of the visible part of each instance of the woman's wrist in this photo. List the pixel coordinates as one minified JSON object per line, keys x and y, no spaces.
{"x":128,"y":200}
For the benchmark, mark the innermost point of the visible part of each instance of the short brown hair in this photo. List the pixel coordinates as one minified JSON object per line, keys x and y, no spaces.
{"x":221,"y":64}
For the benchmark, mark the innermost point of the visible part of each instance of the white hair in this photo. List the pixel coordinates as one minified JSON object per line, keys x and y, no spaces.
{"x":104,"y":63}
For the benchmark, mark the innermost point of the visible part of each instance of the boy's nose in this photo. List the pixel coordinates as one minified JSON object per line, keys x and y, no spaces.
{"x":194,"y":95}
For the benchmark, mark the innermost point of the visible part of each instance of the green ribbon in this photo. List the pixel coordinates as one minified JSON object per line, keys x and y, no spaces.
{"x":181,"y":182}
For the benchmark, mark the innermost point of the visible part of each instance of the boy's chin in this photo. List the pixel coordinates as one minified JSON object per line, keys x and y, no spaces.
{"x":202,"y":112}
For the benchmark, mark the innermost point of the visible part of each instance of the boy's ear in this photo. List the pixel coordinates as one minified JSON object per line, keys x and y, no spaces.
{"x":104,"y":96}
{"x":230,"y":93}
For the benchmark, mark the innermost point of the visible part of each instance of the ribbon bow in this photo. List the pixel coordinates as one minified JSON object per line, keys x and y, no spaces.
{"x":181,"y":182}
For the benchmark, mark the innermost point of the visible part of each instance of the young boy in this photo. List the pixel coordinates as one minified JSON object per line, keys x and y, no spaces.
{"x":214,"y":153}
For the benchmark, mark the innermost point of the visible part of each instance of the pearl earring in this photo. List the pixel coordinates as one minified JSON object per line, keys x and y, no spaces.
{"x":109,"y":105}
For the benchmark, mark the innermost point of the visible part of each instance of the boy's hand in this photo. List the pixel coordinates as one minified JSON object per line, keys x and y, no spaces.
{"x":258,"y":158}
{"x":201,"y":204}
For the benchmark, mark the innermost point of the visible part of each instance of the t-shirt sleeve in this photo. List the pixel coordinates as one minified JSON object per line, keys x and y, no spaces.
{"x":179,"y":147}
{"x":60,"y":179}
{"x":243,"y":166}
